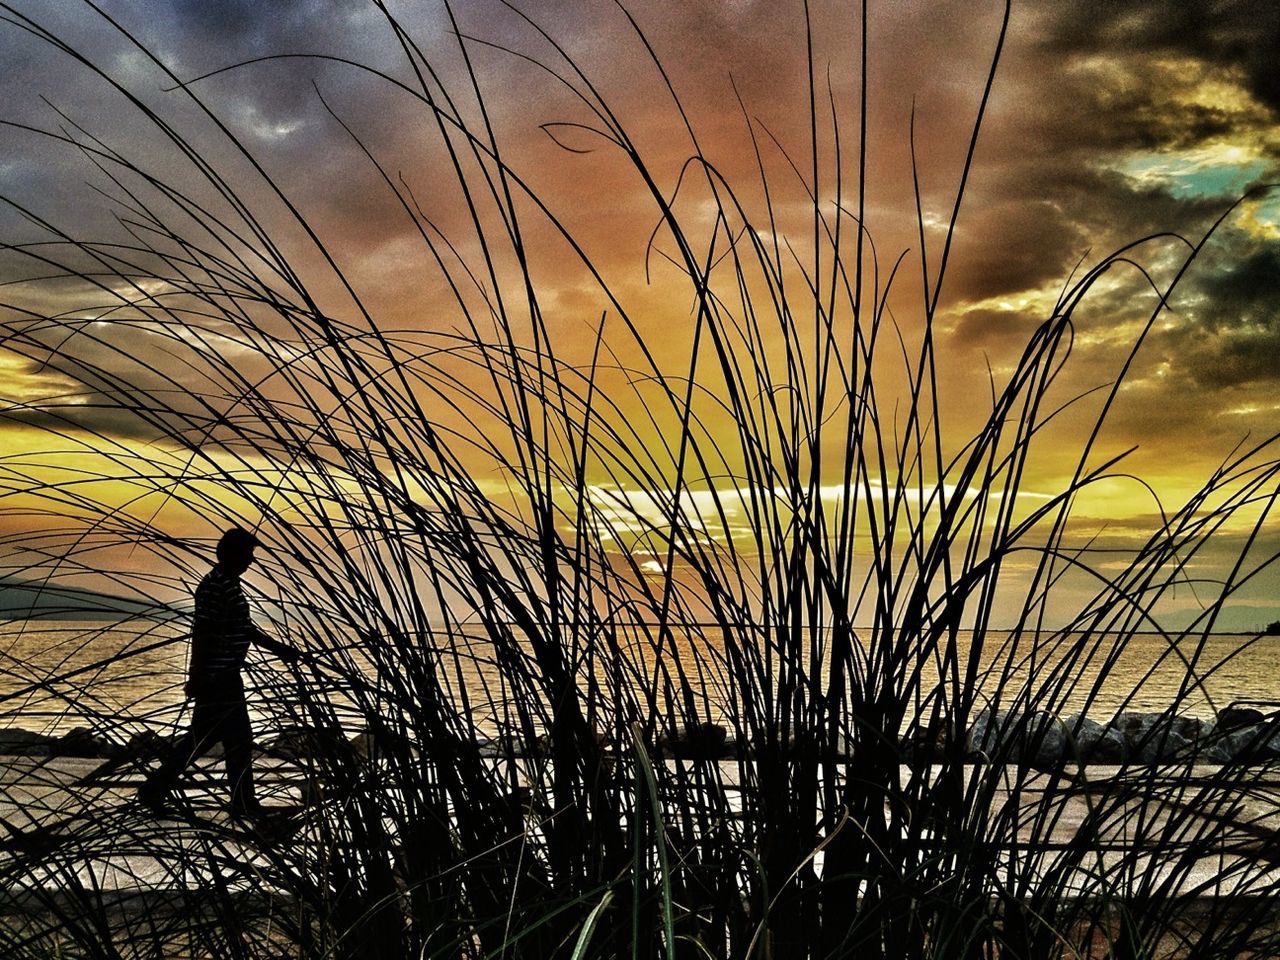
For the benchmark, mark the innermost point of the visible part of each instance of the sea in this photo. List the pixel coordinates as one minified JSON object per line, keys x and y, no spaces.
{"x":56,"y":677}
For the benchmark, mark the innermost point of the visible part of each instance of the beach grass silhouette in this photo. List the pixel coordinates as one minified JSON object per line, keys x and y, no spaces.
{"x":721,"y":665}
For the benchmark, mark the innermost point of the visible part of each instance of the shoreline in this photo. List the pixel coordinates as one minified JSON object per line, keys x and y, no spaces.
{"x":1239,"y":733}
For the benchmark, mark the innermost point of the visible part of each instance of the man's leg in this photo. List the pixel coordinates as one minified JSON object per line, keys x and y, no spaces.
{"x":237,"y":742}
{"x":198,"y":738}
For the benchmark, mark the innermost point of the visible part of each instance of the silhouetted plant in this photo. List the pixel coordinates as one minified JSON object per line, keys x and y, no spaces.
{"x":539,"y":678}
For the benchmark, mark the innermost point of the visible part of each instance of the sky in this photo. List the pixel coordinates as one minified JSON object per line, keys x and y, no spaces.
{"x":1107,"y":123}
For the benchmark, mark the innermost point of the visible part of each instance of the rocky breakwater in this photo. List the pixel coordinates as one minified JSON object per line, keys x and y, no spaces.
{"x":289,"y":745}
{"x":1237,"y":735}
{"x":81,"y":742}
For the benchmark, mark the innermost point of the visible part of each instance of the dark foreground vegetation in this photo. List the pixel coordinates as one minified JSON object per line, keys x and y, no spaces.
{"x":629,"y":680}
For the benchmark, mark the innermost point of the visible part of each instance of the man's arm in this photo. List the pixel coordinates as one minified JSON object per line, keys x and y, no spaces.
{"x":208,"y":625}
{"x":196,"y":663}
{"x":274,"y":646}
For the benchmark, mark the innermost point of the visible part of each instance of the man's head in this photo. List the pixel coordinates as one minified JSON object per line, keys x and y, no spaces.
{"x":235,"y":550}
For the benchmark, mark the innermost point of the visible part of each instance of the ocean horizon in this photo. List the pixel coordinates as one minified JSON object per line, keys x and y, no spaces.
{"x":57,"y":676}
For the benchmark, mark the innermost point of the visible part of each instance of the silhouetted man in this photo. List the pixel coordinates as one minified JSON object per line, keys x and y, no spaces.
{"x":221,"y":632}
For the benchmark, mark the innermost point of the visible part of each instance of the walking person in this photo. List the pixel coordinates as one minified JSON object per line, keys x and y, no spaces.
{"x":221,"y":632}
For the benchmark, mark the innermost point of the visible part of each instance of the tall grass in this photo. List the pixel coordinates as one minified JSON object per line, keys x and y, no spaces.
{"x":785,"y":536}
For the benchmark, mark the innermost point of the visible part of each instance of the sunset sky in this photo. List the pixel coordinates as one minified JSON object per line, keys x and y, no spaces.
{"x":1108,"y":122}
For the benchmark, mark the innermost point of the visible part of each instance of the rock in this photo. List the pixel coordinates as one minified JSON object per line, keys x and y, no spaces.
{"x":142,"y":746}
{"x":1044,"y":741}
{"x":501,"y":747}
{"x":1246,"y":735}
{"x":81,"y":742}
{"x":996,"y":736}
{"x":986,"y":732}
{"x":149,"y":745}
{"x":364,"y":744}
{"x":544,"y":746}
{"x":1257,"y":743}
{"x":698,"y":741}
{"x":146,"y":743}
{"x":1152,"y":737}
{"x":1190,"y":728}
{"x":372,"y":745}
{"x":1089,"y":741}
{"x":1220,"y":749}
{"x":922,"y":744}
{"x":18,"y":742}
{"x":1038,"y":738}
{"x":1197,"y":735}
{"x":1233,"y":718}
{"x":304,"y":743}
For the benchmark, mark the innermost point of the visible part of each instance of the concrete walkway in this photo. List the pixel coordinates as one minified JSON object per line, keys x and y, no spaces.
{"x":1130,"y":822}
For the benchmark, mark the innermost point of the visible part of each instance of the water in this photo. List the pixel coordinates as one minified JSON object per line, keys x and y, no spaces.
{"x":50,"y":681}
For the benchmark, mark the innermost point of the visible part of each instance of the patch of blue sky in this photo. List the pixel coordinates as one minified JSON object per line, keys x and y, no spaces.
{"x":1265,"y":211}
{"x":1197,"y":175}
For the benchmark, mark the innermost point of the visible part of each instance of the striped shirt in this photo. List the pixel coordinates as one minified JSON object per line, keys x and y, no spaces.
{"x":221,"y":630}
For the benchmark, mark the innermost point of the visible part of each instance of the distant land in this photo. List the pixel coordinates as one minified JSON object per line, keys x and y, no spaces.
{"x":36,"y":600}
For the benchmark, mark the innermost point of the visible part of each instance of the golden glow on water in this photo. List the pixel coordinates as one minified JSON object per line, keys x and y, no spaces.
{"x":140,"y":689}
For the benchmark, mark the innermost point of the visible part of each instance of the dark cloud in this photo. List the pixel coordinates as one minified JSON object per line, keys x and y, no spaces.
{"x":1252,"y":357}
{"x":1100,"y":85}
{"x":1239,"y":35}
{"x":249,"y":24}
{"x":102,"y":417}
{"x":1225,"y":328}
{"x":1245,"y":290}
{"x":1036,"y":222}
{"x":1131,"y":101}
{"x":1017,"y":246}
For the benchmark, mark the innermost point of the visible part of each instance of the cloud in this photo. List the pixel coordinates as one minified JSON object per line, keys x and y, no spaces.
{"x":1108,"y":122}
{"x":248,"y":23}
{"x":1239,"y":35}
{"x":1225,"y":331}
{"x":1111,"y":121}
{"x":1246,"y":288}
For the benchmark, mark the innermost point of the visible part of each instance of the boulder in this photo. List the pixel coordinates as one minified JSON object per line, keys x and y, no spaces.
{"x":928,"y":744}
{"x":81,"y":742}
{"x":1089,"y":741}
{"x":371,"y":745}
{"x":305,"y":743}
{"x":1001,"y":737}
{"x":507,"y":746}
{"x":1047,"y":741}
{"x":364,"y":744}
{"x":1246,"y":735}
{"x":1190,"y":728}
{"x":1044,"y":741}
{"x":1256,"y":743}
{"x":1233,"y":718}
{"x":698,"y":741}
{"x":1153,"y":737}
{"x":1221,"y":748}
{"x":987,"y":735}
{"x":18,"y":742}
{"x":146,"y":744}
{"x":543,"y":746}
{"x":1038,"y":738}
